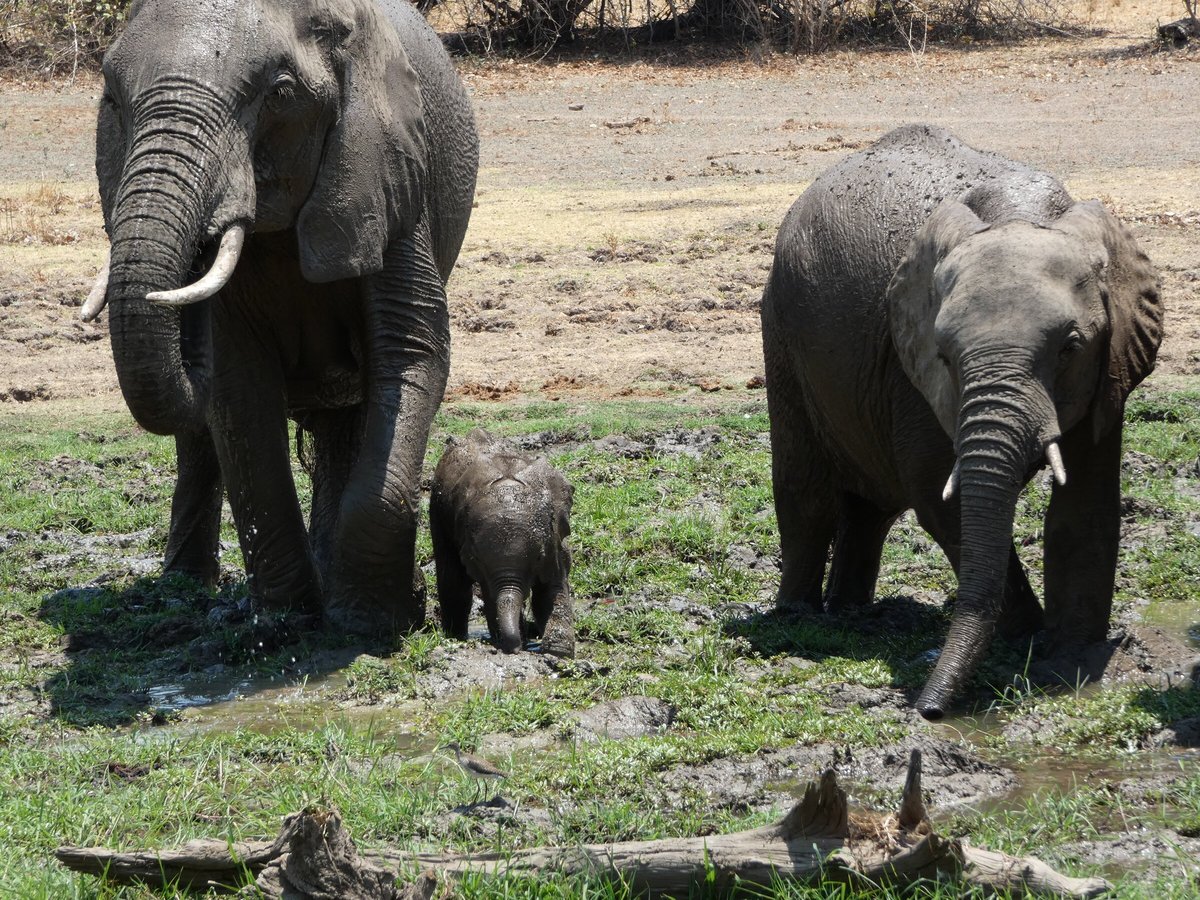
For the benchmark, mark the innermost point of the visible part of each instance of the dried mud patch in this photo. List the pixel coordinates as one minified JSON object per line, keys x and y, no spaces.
{"x":952,"y":776}
{"x":458,"y":668}
{"x":1142,"y":853}
{"x":488,"y":821}
{"x":1138,"y":655}
{"x":112,"y":556}
{"x":1132,"y":654}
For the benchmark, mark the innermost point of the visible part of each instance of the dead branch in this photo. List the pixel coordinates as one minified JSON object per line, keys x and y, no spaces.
{"x":315,"y":857}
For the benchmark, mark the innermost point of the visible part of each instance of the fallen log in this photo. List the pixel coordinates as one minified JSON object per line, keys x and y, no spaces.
{"x":314,"y":857}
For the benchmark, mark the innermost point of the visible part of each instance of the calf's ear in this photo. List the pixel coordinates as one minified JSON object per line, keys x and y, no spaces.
{"x":1135,"y":312}
{"x":914,"y":303}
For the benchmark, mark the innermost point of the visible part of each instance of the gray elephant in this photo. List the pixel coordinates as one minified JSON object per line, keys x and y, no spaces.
{"x":939,"y":322}
{"x":500,"y":519}
{"x":286,"y":186}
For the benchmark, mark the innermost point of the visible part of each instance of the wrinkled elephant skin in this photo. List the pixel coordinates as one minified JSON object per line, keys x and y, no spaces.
{"x":939,"y":323}
{"x":500,"y":519}
{"x":286,"y":186}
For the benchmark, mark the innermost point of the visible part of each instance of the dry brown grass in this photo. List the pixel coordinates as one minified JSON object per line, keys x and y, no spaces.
{"x":38,"y":216}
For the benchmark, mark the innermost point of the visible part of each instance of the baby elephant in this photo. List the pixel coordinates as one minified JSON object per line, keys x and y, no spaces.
{"x":500,"y":519}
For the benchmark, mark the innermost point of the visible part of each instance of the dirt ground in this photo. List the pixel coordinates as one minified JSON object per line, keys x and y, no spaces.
{"x":627,"y":209}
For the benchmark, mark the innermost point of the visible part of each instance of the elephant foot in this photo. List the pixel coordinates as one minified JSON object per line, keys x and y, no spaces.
{"x":790,"y":604}
{"x":1020,"y":618}
{"x":205,"y":576}
{"x":840,"y":604}
{"x":304,"y":602}
{"x":1018,"y":628}
{"x":381,"y":621}
{"x":200,"y":565}
{"x":378,"y":615}
{"x":558,"y":639}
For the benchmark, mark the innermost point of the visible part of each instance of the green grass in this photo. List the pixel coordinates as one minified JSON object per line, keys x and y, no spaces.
{"x":669,"y":606}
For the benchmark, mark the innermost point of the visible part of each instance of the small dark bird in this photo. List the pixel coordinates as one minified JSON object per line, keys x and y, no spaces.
{"x":475,"y":766}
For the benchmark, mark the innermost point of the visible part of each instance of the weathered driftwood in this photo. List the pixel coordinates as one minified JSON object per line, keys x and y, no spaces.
{"x":315,"y":857}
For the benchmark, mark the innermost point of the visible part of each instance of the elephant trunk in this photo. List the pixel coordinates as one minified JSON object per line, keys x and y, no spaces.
{"x":1006,"y":422}
{"x":157,"y":223}
{"x":510,"y":615}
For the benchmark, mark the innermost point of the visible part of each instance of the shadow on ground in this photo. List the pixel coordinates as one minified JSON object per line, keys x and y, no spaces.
{"x":144,"y":651}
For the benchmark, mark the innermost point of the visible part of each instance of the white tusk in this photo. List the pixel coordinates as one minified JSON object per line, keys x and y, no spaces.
{"x":98,"y":298}
{"x":951,"y":484}
{"x":1054,"y":457}
{"x":216,"y":277}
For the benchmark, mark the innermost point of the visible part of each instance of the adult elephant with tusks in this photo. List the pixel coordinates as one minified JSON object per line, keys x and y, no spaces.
{"x":286,"y":186}
{"x":939,"y":323}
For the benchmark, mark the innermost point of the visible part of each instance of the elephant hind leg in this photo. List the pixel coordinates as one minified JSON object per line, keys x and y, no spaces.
{"x":1021,"y":614}
{"x":192,"y":542}
{"x":336,"y":437}
{"x":862,"y":530}
{"x":806,"y":503}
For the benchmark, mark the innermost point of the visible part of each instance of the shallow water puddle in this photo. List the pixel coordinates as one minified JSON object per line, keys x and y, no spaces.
{"x":267,"y":704}
{"x":1179,"y":619}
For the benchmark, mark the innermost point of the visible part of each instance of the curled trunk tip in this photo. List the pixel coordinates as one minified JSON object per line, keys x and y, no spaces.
{"x":510,"y":613}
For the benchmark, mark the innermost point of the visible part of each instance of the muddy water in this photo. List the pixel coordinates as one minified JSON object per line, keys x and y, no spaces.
{"x":267,"y":705}
{"x":1179,"y":619}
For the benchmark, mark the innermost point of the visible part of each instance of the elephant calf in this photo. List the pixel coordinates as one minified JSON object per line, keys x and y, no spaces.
{"x":940,"y":322}
{"x":500,"y":519}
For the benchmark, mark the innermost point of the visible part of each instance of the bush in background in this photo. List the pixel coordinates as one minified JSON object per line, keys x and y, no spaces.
{"x":56,"y":37}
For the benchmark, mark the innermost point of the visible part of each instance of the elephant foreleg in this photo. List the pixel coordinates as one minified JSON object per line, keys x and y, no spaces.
{"x":407,"y":346}
{"x":249,"y":427}
{"x":554,"y":617}
{"x":454,"y":585}
{"x":1083,"y":531}
{"x":192,"y":542}
{"x":1020,"y":613}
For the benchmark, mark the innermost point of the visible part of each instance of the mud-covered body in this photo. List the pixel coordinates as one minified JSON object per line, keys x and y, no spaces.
{"x":500,"y":519}
{"x":938,"y":324}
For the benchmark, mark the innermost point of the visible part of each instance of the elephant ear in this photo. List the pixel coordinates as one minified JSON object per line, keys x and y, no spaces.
{"x":914,"y":303}
{"x":1133,"y":304}
{"x":370,"y":185}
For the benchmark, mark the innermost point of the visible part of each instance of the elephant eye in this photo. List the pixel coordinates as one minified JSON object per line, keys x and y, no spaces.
{"x":284,"y":84}
{"x":1073,"y":344}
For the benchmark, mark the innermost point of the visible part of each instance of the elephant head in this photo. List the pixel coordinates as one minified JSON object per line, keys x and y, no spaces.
{"x":513,"y":534}
{"x":228,"y":118}
{"x":1015,"y":333}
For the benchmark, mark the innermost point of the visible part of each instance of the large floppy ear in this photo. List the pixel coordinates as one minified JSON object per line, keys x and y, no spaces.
{"x":370,"y":185}
{"x":1135,"y":313}
{"x":914,"y":303}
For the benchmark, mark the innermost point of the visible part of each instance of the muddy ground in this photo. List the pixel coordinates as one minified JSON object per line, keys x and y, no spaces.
{"x":619,"y":250}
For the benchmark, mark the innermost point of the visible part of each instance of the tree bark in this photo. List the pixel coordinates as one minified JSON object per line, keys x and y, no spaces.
{"x":314,"y":857}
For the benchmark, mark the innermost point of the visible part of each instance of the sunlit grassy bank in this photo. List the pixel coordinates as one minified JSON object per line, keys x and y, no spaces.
{"x":674,"y":541}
